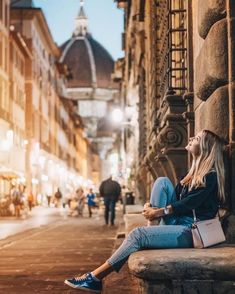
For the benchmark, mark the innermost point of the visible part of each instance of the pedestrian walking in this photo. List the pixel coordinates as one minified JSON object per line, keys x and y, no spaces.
{"x":30,"y":200}
{"x":90,"y":201}
{"x":68,"y":198}
{"x":49,"y":199}
{"x":110,"y":190}
{"x":16,"y":200}
{"x":58,"y":198}
{"x":201,"y":189}
{"x":81,"y":198}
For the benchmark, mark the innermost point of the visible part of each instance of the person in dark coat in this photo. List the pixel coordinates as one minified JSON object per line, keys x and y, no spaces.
{"x":110,"y":190}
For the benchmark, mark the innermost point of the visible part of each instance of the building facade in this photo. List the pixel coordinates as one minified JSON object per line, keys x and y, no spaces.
{"x":179,"y":55}
{"x":52,"y":153}
{"x":42,"y":136}
{"x":19,"y":53}
{"x":6,"y":139}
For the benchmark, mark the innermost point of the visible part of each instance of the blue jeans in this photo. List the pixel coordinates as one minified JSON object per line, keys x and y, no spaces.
{"x":109,"y":209}
{"x":173,"y":231}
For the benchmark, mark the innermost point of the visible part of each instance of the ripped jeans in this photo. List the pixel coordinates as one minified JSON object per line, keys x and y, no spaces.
{"x":173,"y":231}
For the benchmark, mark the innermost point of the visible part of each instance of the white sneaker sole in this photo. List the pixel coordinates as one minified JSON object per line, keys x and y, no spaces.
{"x":81,"y":288}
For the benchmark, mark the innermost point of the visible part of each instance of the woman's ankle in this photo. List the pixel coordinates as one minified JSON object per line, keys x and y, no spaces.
{"x":101,"y":272}
{"x":95,"y":278}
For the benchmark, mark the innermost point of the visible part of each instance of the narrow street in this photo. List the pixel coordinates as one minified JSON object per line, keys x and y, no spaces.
{"x":39,"y":259}
{"x":110,"y":104}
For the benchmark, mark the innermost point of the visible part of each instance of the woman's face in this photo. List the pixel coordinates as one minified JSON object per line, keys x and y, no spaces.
{"x":194,"y":145}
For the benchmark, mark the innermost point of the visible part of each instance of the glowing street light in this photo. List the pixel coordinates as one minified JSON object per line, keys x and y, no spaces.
{"x":117,"y":115}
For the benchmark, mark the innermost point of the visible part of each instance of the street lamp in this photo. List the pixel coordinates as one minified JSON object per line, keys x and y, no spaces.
{"x":125,"y":116}
{"x":117,"y":115}
{"x":123,"y":121}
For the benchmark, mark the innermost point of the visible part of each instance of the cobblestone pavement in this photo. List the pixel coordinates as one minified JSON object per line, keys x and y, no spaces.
{"x":123,"y":282}
{"x":39,"y":216}
{"x":38,"y":260}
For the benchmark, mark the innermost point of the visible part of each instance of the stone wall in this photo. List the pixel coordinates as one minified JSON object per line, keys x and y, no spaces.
{"x":185,"y":270}
{"x":214,"y":79}
{"x":170,"y":114}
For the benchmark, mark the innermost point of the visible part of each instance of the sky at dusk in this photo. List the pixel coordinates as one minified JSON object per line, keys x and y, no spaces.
{"x":105,"y":21}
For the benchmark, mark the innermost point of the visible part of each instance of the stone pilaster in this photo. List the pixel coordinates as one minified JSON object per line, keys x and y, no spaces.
{"x":168,"y":157}
{"x":214,"y":84}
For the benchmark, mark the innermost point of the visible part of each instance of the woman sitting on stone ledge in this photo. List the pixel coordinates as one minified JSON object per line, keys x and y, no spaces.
{"x":201,"y":189}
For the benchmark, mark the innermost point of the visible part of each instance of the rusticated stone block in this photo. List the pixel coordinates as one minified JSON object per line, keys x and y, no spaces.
{"x":179,"y":271}
{"x":209,"y":12}
{"x":230,"y":234}
{"x":189,"y":287}
{"x":215,"y":263}
{"x":212,"y":63}
{"x":213,"y":114}
{"x":232,"y":46}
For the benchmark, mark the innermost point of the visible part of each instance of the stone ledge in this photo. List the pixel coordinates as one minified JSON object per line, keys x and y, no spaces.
{"x":134,"y":220}
{"x":216,"y":263}
{"x":136,"y":208}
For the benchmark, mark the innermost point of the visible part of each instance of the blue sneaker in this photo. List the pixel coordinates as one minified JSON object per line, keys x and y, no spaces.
{"x":87,"y":284}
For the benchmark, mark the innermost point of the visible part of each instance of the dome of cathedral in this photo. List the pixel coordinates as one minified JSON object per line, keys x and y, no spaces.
{"x":89,"y":63}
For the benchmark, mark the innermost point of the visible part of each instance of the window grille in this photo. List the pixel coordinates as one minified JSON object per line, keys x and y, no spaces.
{"x":171,"y":42}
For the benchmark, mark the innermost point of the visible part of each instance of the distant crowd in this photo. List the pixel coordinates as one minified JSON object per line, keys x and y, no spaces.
{"x":19,"y":202}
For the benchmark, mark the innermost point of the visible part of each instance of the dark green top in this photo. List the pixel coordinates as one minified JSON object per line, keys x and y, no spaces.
{"x":204,"y":200}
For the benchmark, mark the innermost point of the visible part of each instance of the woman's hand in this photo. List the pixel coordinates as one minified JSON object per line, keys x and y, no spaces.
{"x":147,"y":205}
{"x":152,"y":213}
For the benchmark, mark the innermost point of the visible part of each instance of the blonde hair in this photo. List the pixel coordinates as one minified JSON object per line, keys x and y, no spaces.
{"x":210,"y":158}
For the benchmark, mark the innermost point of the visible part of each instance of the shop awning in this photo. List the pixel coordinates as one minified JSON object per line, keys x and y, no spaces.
{"x":8,"y":174}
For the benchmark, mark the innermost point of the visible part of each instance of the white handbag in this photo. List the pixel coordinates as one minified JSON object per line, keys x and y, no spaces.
{"x":207,"y":233}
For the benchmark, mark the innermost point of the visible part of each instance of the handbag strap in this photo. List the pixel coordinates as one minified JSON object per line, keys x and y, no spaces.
{"x":195,"y":218}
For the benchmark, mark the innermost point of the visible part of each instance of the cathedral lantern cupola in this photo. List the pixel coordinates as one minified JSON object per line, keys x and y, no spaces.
{"x":81,"y":22}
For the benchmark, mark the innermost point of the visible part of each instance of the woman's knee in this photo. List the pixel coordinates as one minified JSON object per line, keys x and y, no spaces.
{"x":161,"y":180}
{"x":161,"y":190}
{"x":135,"y":234}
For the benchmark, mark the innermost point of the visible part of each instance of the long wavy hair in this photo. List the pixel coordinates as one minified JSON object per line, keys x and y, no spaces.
{"x":210,"y":158}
